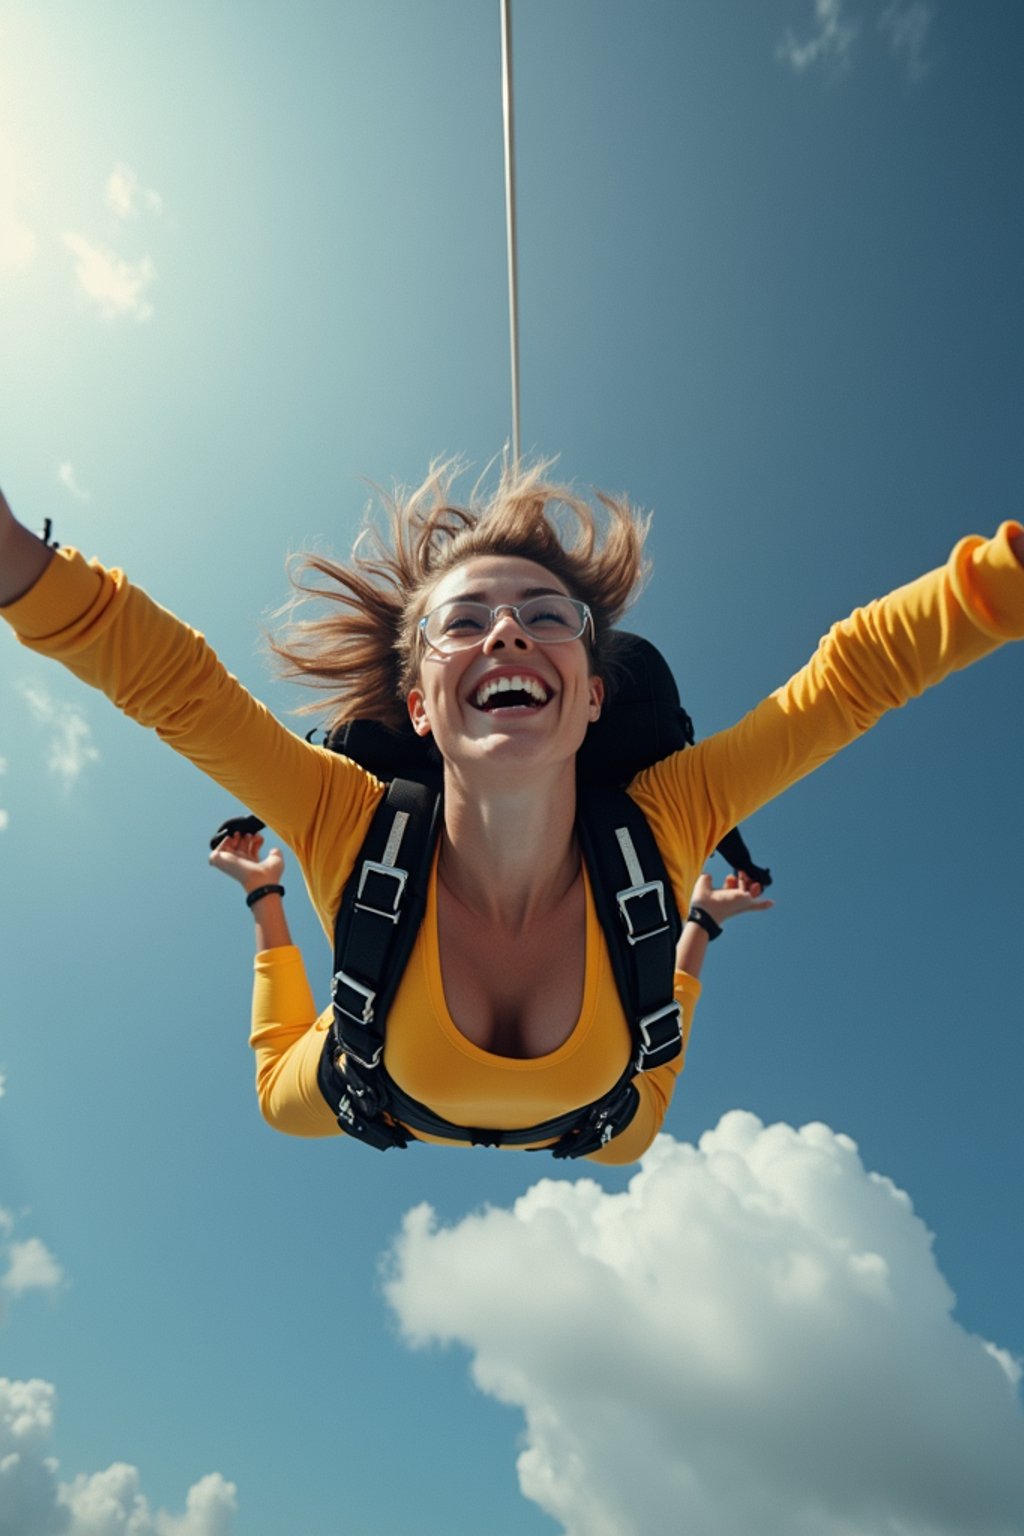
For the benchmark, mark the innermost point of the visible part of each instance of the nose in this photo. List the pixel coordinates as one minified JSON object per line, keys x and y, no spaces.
{"x":506,"y":630}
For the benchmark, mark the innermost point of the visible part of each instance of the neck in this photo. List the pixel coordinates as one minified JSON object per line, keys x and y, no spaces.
{"x":509,"y":854}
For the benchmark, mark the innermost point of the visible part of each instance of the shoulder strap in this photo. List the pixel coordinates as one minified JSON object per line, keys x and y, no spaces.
{"x":380,"y":914}
{"x":638,"y":914}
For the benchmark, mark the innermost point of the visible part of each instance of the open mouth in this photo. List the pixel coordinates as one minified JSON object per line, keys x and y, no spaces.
{"x":510,"y":692}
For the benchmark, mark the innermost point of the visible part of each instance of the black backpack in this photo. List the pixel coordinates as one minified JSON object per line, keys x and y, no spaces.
{"x":384,"y":900}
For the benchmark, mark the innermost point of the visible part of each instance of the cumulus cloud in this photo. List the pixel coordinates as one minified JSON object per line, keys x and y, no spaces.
{"x":117,"y":287}
{"x":71,"y":748}
{"x":69,"y":480}
{"x":31,"y":1267}
{"x":126,"y":197}
{"x":34,"y":1502}
{"x":907,"y":28}
{"x":754,"y":1336}
{"x":829,"y":43}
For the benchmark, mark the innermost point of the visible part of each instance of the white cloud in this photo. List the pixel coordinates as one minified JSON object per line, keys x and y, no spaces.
{"x":126,"y":196}
{"x":5,"y":821}
{"x":33,"y":1501}
{"x":31,"y":1267}
{"x":71,"y":747}
{"x":907,"y":27}
{"x":754,"y":1336}
{"x":29,"y":1501}
{"x":117,"y":287}
{"x":69,"y":480}
{"x":828,"y":44}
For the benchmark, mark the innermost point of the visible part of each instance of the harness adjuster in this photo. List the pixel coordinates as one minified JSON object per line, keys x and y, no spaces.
{"x":399,"y":875}
{"x":658,"y":1031}
{"x":637,"y":931}
{"x":367,"y":996}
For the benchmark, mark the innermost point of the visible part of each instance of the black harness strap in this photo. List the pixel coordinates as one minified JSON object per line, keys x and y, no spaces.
{"x":644,"y":913}
{"x":380,"y":915}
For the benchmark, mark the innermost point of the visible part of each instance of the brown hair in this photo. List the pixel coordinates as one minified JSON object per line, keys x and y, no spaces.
{"x":364,"y":649}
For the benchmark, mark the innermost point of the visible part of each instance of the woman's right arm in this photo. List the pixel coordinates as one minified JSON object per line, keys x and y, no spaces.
{"x":163,"y":674}
{"x":23,"y":557}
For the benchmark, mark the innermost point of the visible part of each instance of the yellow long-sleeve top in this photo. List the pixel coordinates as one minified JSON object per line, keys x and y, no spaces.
{"x":429,"y":1056}
{"x":163,"y":674}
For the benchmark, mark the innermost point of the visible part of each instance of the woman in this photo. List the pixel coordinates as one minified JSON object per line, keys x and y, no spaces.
{"x":509,"y":970}
{"x":287,"y":1037}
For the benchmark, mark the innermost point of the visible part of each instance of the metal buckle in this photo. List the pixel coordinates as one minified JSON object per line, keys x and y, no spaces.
{"x":342,"y":978}
{"x":652,"y":887}
{"x":370,"y":868}
{"x":647,"y":1048}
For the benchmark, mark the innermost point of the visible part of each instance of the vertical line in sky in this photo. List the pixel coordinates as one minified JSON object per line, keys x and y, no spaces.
{"x":510,"y":214}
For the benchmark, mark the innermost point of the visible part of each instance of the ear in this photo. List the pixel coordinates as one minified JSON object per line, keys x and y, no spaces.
{"x":416,"y":705}
{"x":596,"y":696}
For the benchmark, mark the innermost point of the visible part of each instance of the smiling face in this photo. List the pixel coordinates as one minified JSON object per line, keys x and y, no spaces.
{"x":510,"y":699}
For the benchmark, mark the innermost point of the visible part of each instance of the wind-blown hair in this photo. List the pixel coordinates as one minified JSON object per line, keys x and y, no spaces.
{"x":364,"y":650}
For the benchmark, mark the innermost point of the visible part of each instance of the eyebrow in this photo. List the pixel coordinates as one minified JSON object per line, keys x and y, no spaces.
{"x":481,"y":597}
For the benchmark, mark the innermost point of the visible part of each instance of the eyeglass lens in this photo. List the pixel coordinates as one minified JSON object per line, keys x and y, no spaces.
{"x":549,"y":620}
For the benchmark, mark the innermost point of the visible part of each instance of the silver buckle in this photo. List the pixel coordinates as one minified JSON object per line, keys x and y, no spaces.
{"x":623,"y":897}
{"x":366,"y":1017}
{"x":370,"y":868}
{"x":646,"y":1048}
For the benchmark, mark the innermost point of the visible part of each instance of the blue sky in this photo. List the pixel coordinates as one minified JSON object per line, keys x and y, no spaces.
{"x":252,"y":257}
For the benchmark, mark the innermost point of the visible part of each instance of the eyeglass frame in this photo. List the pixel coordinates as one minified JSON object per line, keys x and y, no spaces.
{"x":512,"y":608}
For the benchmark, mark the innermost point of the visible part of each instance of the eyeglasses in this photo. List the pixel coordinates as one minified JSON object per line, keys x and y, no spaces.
{"x":550,"y":620}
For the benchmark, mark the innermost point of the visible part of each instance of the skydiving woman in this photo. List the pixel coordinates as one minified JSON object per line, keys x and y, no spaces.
{"x":488,"y":626}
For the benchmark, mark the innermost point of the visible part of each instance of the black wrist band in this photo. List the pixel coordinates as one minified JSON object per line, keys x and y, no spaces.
{"x":704,"y":920}
{"x":264,"y":890}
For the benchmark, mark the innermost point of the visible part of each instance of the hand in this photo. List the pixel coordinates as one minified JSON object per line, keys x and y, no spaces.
{"x":737,"y":893}
{"x":239,"y":857}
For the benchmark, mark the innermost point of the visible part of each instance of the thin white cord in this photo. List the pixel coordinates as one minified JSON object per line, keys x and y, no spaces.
{"x":510,"y":215}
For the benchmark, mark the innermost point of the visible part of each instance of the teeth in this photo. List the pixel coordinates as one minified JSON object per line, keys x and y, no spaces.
{"x":530,"y":685}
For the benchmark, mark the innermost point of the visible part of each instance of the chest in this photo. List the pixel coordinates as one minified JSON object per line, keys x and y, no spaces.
{"x":515,"y":995}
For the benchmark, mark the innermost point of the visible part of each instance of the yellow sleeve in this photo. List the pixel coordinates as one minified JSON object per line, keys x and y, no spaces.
{"x":655,"y":1088}
{"x":880,"y":657}
{"x":163,"y":674}
{"x":288,"y":1037}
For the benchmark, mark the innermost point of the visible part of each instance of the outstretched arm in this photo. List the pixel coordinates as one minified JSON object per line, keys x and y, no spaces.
{"x":23,"y":557}
{"x":163,"y":674}
{"x":884,"y":654}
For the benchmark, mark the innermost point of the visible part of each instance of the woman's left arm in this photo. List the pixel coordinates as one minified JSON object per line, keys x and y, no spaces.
{"x":883,"y":655}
